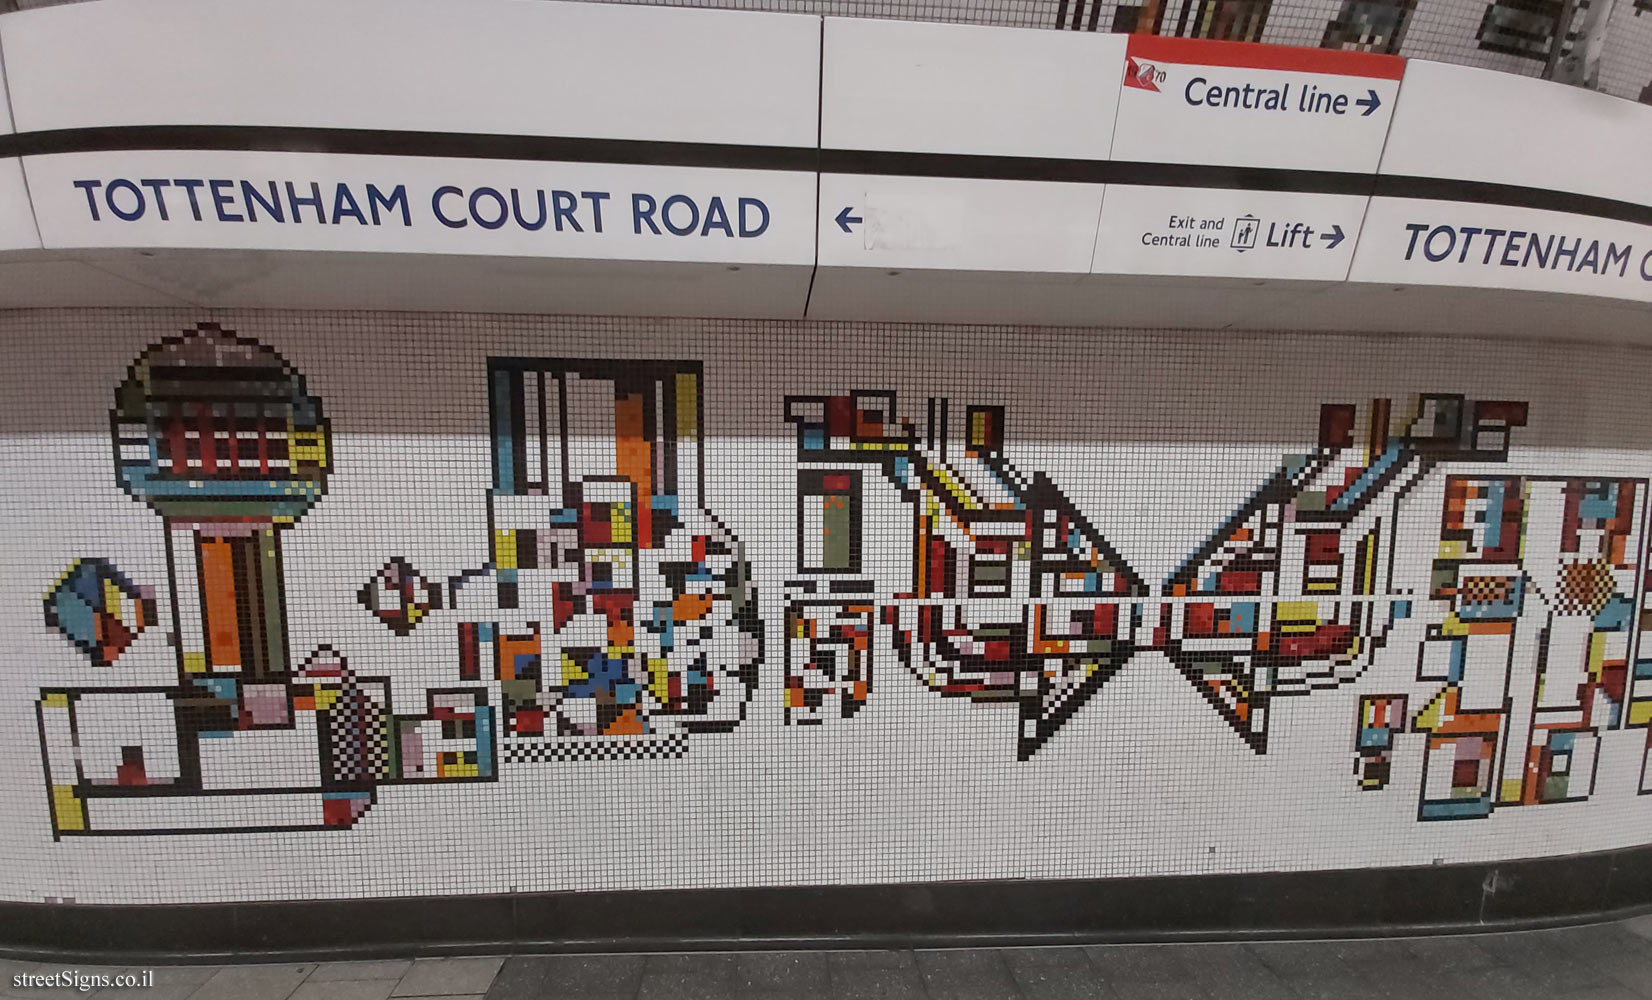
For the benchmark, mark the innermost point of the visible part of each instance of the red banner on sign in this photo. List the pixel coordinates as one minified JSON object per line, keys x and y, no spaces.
{"x":1147,"y":49}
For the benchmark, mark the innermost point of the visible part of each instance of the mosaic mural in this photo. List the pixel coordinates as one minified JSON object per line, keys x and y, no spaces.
{"x":219,"y":437}
{"x":1533,"y":614}
{"x":616,"y":617}
{"x":1542,"y":581}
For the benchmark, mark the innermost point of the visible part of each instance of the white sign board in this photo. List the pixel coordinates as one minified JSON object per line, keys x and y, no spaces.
{"x":949,"y":88}
{"x":1483,"y":125}
{"x":1412,"y":241}
{"x":303,"y":201}
{"x":614,"y":71}
{"x":1239,"y":104}
{"x":1227,"y":234}
{"x":17,"y":229}
{"x":957,"y":224}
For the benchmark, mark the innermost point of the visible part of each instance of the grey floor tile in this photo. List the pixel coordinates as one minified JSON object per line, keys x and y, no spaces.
{"x":161,"y":975}
{"x":171,"y":982}
{"x":1597,"y":941}
{"x":346,"y":989}
{"x":174,"y":992}
{"x":178,"y":974}
{"x":1602,"y":993}
{"x":79,"y":979}
{"x":1375,"y":955}
{"x":1610,"y":952}
{"x":1316,"y":988}
{"x":443,"y":977}
{"x":1056,"y":974}
{"x":254,"y":982}
{"x":1496,"y":982}
{"x":1310,"y":970}
{"x":698,"y":962}
{"x":1146,"y":963}
{"x":593,"y":977}
{"x":1632,"y":971}
{"x":1233,"y":972}
{"x":683,"y":986}
{"x":10,"y":969}
{"x":1388,"y":969}
{"x":872,"y":982}
{"x":1137,"y":990}
{"x":1538,"y":957}
{"x":1488,"y":983}
{"x":1518,"y":948}
{"x":871,"y":959}
{"x":1635,"y":943}
{"x":523,"y":978}
{"x":328,"y":972}
{"x":687,"y":977}
{"x":1451,"y":954}
{"x":793,"y":973}
{"x":1409,"y":983}
{"x":1299,"y":959}
{"x":29,"y":986}
{"x":966,"y":974}
{"x":1604,"y":962}
{"x":33,"y":973}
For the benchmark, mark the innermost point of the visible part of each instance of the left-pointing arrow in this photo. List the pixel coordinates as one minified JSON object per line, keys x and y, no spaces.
{"x":844,"y":219}
{"x":1333,"y":237}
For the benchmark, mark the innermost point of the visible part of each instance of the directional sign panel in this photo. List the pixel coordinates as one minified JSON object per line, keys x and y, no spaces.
{"x":1227,"y":234}
{"x":963,"y":88}
{"x":1413,"y":241}
{"x":17,"y":229}
{"x":546,"y":69}
{"x":1485,"y":125}
{"x":957,"y":224}
{"x":1416,"y":241}
{"x":1238,"y":104}
{"x":404,"y":204}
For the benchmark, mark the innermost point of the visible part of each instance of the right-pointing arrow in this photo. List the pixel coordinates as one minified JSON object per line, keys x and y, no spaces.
{"x":1333,"y":237}
{"x":1370,"y":104}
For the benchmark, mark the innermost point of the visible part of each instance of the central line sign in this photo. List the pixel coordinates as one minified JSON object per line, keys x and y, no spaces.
{"x":1195,"y":101}
{"x":1228,"y":104}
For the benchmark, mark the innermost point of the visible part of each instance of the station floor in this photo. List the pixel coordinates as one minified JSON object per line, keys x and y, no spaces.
{"x":1602,"y":962}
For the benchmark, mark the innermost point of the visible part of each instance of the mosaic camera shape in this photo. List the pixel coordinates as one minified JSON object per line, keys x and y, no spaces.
{"x":616,"y":615}
{"x":219,"y":436}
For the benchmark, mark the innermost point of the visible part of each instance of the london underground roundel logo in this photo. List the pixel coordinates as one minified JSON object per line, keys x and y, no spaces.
{"x":1142,"y":76}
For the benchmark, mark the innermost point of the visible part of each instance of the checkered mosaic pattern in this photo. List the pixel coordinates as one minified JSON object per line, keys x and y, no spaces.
{"x":532,"y":752}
